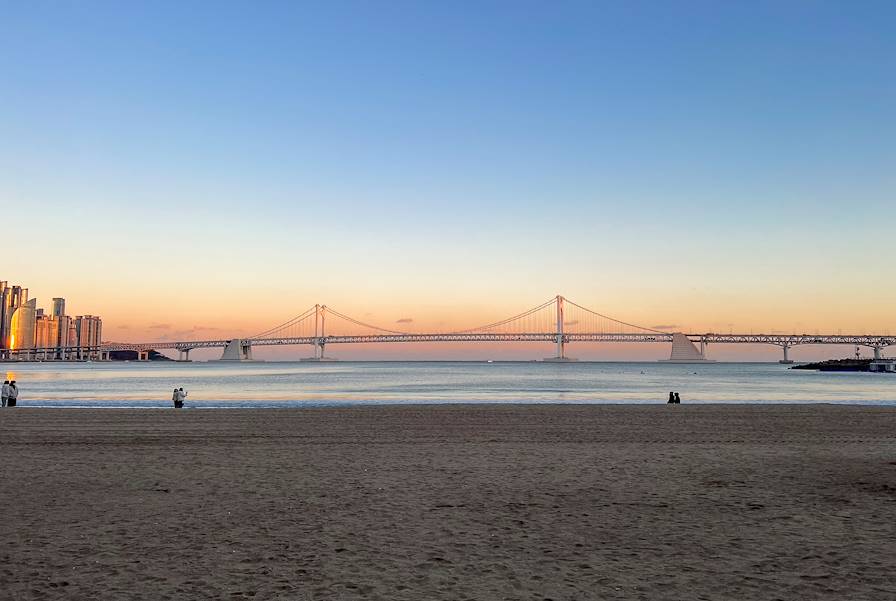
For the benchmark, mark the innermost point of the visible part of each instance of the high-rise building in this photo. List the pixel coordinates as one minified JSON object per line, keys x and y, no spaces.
{"x":11,"y":298}
{"x":89,"y":330}
{"x":64,"y":324}
{"x":46,"y":332}
{"x":22,"y":326}
{"x":3,"y":301}
{"x":72,"y":338}
{"x":58,"y":307}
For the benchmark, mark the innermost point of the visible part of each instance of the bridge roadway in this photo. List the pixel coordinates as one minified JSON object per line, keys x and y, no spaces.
{"x":786,"y":341}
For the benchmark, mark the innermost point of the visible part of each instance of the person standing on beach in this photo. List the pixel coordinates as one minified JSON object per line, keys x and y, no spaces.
{"x":13,"y":394}
{"x":677,"y":399}
{"x":181,"y":397}
{"x":671,"y":398}
{"x":5,"y":392}
{"x":174,"y":398}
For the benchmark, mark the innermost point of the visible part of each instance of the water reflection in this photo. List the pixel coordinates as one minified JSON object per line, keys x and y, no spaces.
{"x":292,"y":384}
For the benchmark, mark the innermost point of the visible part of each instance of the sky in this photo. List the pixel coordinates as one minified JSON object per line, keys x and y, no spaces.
{"x":210,"y":169}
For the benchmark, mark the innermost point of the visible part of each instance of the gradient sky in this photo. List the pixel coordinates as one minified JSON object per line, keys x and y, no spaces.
{"x":200,"y":169}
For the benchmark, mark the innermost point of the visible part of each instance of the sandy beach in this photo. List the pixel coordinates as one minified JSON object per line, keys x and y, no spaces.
{"x":450,"y":502}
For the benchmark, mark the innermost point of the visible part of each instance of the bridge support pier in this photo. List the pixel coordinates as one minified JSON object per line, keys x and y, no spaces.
{"x":877,"y":355}
{"x":183,"y":354}
{"x":319,"y":354}
{"x":237,"y":350}
{"x":786,"y":360}
{"x":142,"y":355}
{"x":561,"y":354}
{"x":685,"y":351}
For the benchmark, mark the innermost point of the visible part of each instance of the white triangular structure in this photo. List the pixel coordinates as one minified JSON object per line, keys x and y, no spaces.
{"x":684,"y":351}
{"x":237,"y":350}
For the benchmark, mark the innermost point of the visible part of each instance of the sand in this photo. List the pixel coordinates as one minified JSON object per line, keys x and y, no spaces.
{"x":450,"y":502}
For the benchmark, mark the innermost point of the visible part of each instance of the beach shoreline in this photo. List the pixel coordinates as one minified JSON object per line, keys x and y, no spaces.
{"x":494,"y":501}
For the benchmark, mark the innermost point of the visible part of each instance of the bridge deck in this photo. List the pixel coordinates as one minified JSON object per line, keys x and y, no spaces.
{"x":869,"y":340}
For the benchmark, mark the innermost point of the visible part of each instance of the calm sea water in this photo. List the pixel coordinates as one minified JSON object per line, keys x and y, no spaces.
{"x":302,"y":384}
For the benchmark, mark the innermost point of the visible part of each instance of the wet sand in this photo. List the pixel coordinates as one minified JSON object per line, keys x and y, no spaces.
{"x":449,"y":502}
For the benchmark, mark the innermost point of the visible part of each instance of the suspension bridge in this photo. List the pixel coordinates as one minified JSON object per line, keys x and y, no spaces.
{"x":558,"y":321}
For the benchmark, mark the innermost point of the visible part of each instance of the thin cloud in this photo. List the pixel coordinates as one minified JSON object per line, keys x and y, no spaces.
{"x":571,"y":323}
{"x":195,"y":331}
{"x":160,"y":326}
{"x":404,"y":320}
{"x":666,"y":327}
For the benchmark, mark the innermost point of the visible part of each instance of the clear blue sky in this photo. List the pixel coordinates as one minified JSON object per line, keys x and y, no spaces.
{"x":452,"y":150}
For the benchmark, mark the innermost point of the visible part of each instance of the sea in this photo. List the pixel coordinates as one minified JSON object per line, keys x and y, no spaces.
{"x":297,"y":384}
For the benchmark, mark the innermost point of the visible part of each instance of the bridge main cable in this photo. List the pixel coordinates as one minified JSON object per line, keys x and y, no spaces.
{"x":631,"y":325}
{"x":287,"y":323}
{"x":508,"y":320}
{"x":362,"y":324}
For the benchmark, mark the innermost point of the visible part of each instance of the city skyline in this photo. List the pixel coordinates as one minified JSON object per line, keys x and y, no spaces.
{"x":50,"y":334}
{"x":213,"y":171}
{"x":444,"y":350}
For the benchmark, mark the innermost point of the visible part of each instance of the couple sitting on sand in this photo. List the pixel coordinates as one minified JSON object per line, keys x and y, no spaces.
{"x":674,"y":398}
{"x":178,"y":397}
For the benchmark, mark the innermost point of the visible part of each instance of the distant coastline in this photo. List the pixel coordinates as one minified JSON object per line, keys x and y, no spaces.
{"x":133,"y":356}
{"x":837,"y":365}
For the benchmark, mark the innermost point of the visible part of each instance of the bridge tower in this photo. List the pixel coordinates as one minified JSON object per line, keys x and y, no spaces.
{"x":320,"y":318}
{"x":320,"y":335}
{"x":322,"y":339}
{"x":560,"y":337}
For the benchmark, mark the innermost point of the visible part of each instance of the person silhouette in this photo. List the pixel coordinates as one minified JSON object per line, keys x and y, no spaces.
{"x":677,"y":399}
{"x":671,"y":398}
